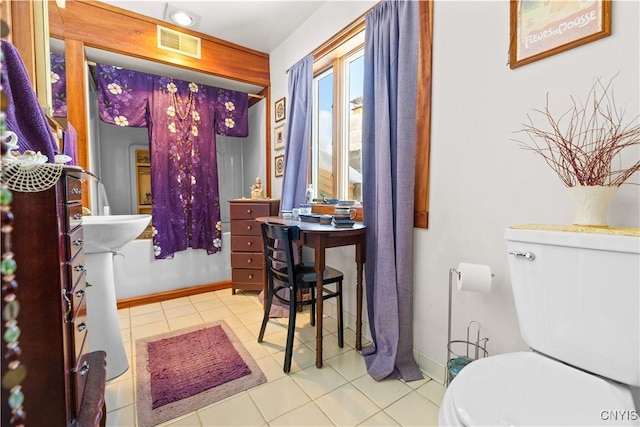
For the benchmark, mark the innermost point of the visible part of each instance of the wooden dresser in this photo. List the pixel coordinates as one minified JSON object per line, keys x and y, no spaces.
{"x":65,"y":384}
{"x":247,"y":258}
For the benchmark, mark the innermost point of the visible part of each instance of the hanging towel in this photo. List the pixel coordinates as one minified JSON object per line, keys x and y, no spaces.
{"x":70,"y":147}
{"x":24,"y":114}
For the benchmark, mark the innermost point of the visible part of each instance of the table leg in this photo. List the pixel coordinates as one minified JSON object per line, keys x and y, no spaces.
{"x":319,"y":264}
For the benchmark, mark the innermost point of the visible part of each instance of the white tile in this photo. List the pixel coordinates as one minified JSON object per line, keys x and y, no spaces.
{"x":188,"y":421}
{"x":317,"y":382}
{"x":433,"y":391}
{"x":182,"y":322}
{"x":414,"y":410}
{"x":270,"y":367}
{"x":384,"y":392}
{"x":218,"y":313}
{"x":118,"y":394}
{"x":349,"y":364}
{"x":208,"y":304}
{"x":178,"y":311}
{"x":144,"y":309}
{"x":124,"y":321}
{"x":121,"y":417}
{"x":278,"y":397}
{"x":238,"y":410}
{"x":307,"y":415}
{"x":149,"y":330}
{"x":146,"y":318}
{"x":206,"y":296}
{"x":347,"y":406}
{"x":176,"y":302}
{"x":379,"y":420}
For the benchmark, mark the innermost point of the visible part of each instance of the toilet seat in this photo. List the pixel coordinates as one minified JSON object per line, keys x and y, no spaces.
{"x":528,"y":388}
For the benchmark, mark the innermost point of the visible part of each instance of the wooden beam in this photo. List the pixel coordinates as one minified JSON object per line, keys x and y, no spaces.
{"x":112,"y":29}
{"x":423,"y":121}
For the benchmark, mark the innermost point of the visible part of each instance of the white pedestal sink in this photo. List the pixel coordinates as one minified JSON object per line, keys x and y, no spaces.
{"x":103,"y":237}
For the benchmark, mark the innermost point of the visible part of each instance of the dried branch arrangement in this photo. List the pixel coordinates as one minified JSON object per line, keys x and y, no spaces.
{"x":583,"y":145}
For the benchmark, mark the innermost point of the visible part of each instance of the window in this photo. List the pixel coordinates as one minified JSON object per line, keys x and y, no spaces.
{"x":336,"y":62}
{"x":336,"y":150}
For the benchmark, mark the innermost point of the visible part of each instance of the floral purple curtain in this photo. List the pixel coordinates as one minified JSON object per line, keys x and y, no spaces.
{"x":58,"y":85}
{"x":182,"y":118}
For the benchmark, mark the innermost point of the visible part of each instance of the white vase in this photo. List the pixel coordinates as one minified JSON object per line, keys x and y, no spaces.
{"x":591,"y":204}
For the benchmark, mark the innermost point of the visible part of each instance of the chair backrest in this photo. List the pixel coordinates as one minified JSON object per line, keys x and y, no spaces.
{"x":278,"y":253}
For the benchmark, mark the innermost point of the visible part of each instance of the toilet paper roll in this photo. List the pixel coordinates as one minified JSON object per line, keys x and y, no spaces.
{"x":474,"y":277}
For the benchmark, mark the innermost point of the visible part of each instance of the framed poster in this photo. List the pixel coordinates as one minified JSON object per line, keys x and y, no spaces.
{"x":542,"y":28}
{"x":279,"y":165}
{"x":280,"y":109}
{"x":279,"y":137}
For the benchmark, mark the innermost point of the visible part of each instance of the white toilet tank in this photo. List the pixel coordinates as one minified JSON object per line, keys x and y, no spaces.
{"x":577,"y":296}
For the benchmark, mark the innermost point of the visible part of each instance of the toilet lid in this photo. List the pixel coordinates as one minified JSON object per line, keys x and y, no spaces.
{"x":528,"y":388}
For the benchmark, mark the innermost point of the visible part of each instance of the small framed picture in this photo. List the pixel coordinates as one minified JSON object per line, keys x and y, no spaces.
{"x":280,"y":109}
{"x":279,"y":137}
{"x":279,"y":165}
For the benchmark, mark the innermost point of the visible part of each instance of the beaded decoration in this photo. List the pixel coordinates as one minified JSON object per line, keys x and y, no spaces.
{"x":16,"y":372}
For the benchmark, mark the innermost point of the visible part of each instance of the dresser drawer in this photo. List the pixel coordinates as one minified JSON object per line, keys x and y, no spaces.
{"x":249,"y":210}
{"x":73,"y":216}
{"x":245,"y":227}
{"x":246,"y":243}
{"x":250,"y":276}
{"x":247,"y":260}
{"x":79,"y":334}
{"x":76,"y":269}
{"x":73,"y":189}
{"x":75,"y":242}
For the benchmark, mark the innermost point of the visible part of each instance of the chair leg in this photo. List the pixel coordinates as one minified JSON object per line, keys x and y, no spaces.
{"x":267,"y":310}
{"x":340,"y":319}
{"x":288,"y":350}
{"x":312,"y":292}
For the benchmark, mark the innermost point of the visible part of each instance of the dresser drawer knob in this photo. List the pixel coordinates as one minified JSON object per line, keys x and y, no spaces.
{"x":249,"y":261}
{"x":77,"y":216}
{"x":76,"y":191}
{"x":249,"y":211}
{"x":78,"y":242}
{"x":250,"y":276}
{"x":249,"y":243}
{"x":80,"y":268}
{"x":82,"y":326}
{"x":249,"y":227}
{"x":80,"y":293}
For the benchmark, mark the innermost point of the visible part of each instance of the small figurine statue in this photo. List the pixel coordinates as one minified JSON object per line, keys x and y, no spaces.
{"x":257,"y":192}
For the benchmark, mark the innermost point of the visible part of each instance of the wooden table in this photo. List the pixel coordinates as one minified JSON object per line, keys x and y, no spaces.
{"x":319,"y":237}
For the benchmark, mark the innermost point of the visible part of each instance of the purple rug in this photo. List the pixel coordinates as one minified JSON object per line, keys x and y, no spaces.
{"x":182,"y":371}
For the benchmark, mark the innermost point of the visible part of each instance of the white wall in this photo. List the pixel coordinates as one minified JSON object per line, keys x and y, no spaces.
{"x":480,"y":181}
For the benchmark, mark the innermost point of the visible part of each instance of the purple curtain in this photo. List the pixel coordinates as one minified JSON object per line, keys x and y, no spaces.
{"x":296,"y":153}
{"x":389,"y":136}
{"x":182,"y":118}
{"x":59,"y":85}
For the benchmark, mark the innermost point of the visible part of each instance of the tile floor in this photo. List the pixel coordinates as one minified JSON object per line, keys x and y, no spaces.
{"x":339,"y":394}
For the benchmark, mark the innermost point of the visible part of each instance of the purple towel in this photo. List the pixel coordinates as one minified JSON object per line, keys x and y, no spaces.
{"x":24,"y":114}
{"x":71,"y":144}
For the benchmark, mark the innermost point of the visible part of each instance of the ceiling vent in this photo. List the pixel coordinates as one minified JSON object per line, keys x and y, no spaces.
{"x":178,"y":42}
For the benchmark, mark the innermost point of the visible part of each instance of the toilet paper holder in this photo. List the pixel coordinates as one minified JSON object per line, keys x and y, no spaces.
{"x":464,"y":351}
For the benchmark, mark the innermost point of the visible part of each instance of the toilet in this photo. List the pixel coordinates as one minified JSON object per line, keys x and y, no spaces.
{"x":577,"y":296}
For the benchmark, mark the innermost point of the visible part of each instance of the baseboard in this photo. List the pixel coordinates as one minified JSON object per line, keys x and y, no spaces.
{"x":430,"y":367}
{"x":177,"y":293}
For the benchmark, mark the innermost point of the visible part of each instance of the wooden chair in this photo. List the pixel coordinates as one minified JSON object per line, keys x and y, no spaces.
{"x":286,"y":279}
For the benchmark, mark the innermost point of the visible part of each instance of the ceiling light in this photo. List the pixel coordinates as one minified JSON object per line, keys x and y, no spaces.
{"x":182,"y":18}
